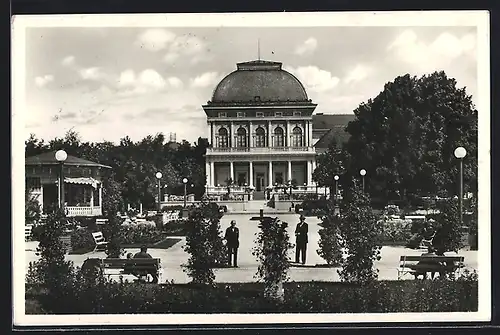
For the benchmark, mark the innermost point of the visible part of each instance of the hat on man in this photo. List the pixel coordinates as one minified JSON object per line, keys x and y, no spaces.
{"x":302,"y":217}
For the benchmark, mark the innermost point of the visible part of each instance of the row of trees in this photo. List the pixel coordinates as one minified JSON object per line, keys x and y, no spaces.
{"x":405,"y":138}
{"x":134,"y":164}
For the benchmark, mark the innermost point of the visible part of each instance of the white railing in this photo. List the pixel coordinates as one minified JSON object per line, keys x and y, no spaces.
{"x":261,"y":150}
{"x":83,"y":211}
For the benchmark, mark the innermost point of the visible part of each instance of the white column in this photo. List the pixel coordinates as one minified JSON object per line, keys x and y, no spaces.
{"x":231,"y":136}
{"x":250,"y":166}
{"x":91,"y":198}
{"x":41,"y":197}
{"x":212,"y":174}
{"x":310,"y":134}
{"x":313,"y":163}
{"x":270,"y":173}
{"x":309,"y":173}
{"x":306,"y":134}
{"x":269,"y":133}
{"x":207,"y":173}
{"x":287,"y":135}
{"x":250,"y":125}
{"x":100,"y":196}
{"x":231,"y":170}
{"x":212,"y":133}
{"x":289,"y":170}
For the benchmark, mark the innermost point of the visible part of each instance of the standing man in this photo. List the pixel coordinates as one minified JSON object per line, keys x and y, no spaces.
{"x":232,"y":238}
{"x":301,"y":240}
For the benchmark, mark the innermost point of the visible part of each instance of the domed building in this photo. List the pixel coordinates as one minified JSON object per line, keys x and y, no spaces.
{"x":261,"y":131}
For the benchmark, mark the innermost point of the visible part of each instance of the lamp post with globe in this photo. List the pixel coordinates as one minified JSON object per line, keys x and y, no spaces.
{"x":61,"y":157}
{"x":460,"y":153}
{"x":158,"y":177}
{"x":362,"y":172}
{"x":185,"y":181}
{"x":336,"y":178}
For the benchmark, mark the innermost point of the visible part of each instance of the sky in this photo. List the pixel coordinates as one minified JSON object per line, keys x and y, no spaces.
{"x":108,"y":83}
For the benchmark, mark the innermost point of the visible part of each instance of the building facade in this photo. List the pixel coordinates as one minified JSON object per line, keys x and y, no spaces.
{"x":260,"y":122}
{"x":82,"y":183}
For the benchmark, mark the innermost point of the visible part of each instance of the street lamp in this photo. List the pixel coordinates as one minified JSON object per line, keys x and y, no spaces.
{"x":185,"y":180}
{"x":158,"y":176}
{"x":61,"y":157}
{"x":336,"y":178}
{"x":362,"y":172}
{"x":460,"y":153}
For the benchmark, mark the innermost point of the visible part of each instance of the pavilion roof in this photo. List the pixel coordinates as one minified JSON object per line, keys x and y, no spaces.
{"x":49,"y":158}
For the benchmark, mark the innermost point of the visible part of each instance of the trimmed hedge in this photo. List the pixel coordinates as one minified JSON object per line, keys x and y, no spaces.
{"x":313,"y":297}
{"x":140,"y":233}
{"x":82,"y":241}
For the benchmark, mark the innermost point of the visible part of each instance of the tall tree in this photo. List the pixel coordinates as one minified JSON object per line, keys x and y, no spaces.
{"x":405,"y":137}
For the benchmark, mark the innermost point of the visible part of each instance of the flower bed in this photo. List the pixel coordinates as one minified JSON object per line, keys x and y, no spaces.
{"x":140,"y":233}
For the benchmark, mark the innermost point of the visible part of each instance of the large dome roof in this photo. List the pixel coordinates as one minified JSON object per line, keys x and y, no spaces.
{"x":259,"y":81}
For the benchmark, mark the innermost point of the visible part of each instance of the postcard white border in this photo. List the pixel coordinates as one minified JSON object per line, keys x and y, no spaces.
{"x":479,"y":19}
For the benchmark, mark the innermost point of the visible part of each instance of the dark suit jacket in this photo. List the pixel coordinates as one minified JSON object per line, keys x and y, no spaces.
{"x":232,"y":237}
{"x":301,"y":233}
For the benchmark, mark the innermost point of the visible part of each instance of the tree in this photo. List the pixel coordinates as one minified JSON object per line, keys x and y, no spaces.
{"x":112,"y":203}
{"x":32,"y":210}
{"x":329,"y":164}
{"x":272,"y":246}
{"x":405,"y":137}
{"x":448,"y":230}
{"x":329,"y":236}
{"x":359,"y":235}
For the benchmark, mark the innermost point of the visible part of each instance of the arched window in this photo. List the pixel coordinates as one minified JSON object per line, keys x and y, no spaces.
{"x":223,"y":138}
{"x":296,"y":137}
{"x":279,"y":137}
{"x":241,"y":138}
{"x":260,"y":137}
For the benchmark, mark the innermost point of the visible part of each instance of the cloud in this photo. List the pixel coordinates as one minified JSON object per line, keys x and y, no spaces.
{"x":91,"y":73}
{"x":307,"y":47}
{"x":42,"y":81}
{"x":358,"y":73}
{"x":315,"y":79}
{"x":206,"y":79}
{"x":409,"y":48}
{"x":155,"y":39}
{"x":147,"y":81}
{"x":68,"y":61}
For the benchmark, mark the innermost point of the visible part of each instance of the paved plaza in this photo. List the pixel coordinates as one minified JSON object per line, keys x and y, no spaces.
{"x":172,"y":258}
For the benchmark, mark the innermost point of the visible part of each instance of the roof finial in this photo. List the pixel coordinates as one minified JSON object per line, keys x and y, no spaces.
{"x":258,"y":48}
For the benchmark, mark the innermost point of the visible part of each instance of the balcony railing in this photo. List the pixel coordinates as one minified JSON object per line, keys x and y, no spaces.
{"x":261,"y":149}
{"x":83,"y":211}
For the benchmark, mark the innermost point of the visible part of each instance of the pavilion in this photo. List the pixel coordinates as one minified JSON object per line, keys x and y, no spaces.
{"x":82,"y":183}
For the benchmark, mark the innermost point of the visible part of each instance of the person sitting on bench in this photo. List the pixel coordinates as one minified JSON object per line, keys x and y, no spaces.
{"x":144,"y":254}
{"x":430,"y":252}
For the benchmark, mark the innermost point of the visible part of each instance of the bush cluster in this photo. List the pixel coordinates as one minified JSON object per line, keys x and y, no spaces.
{"x":82,"y":240}
{"x":102,"y":296}
{"x":395,"y":231}
{"x":140,"y":233}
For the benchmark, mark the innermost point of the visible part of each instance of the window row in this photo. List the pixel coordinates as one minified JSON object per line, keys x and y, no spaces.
{"x":260,"y":138}
{"x":258,"y":114}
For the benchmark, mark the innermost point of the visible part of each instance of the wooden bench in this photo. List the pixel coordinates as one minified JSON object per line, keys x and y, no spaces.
{"x":101,"y":221}
{"x":27,"y":232}
{"x":439,"y":264}
{"x":99,"y":240}
{"x":139,"y":267}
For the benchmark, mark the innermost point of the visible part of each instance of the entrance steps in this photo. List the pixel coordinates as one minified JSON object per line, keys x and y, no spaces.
{"x":254,"y":207}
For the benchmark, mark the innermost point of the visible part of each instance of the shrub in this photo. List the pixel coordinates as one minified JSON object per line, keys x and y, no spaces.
{"x":140,"y":233}
{"x":360,"y":236}
{"x":32,"y":210}
{"x":329,"y":243}
{"x":395,"y":231}
{"x":81,"y":239}
{"x":272,"y":246}
{"x":448,"y":231}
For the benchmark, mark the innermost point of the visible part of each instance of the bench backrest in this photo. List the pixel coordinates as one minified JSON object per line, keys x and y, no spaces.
{"x":138,"y":263}
{"x":98,"y":237}
{"x":431,"y":258}
{"x":101,"y":221}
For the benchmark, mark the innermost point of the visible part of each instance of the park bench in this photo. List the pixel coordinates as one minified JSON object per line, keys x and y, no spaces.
{"x":28,"y":229}
{"x":439,"y":264}
{"x":99,"y":240}
{"x":101,"y":221}
{"x":139,"y":267}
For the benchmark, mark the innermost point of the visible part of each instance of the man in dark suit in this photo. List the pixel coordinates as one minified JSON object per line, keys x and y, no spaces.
{"x":301,"y":240}
{"x":233,"y":243}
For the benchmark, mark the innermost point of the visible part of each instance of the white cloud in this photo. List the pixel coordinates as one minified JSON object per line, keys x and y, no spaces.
{"x":68,"y":61}
{"x":174,"y":82}
{"x":127,"y":77}
{"x":315,"y":79}
{"x":147,"y":81}
{"x":91,"y":73}
{"x":409,"y":48}
{"x":155,"y":39}
{"x":42,"y":81}
{"x":358,"y":73}
{"x":151,"y":78}
{"x":307,"y":47}
{"x":206,"y":79}
{"x":170,"y":57}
